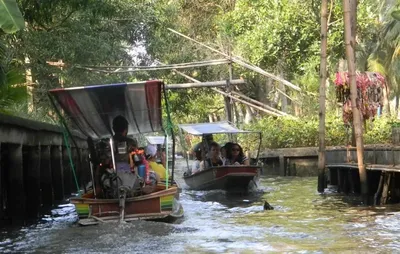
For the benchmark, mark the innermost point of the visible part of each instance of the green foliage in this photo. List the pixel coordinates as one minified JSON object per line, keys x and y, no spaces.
{"x":396,"y":15}
{"x":21,"y":110}
{"x":11,"y":19}
{"x":302,"y":132}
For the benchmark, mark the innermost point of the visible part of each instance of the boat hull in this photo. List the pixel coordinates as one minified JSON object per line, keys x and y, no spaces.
{"x":160,"y":205}
{"x":229,"y":178}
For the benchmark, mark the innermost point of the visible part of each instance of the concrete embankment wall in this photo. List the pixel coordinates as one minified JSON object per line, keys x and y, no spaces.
{"x":35,"y":170}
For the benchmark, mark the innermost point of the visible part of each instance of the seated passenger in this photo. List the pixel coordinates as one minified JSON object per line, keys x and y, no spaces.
{"x":235,"y":156}
{"x":196,"y":164}
{"x":213,"y":159}
{"x":151,"y":154}
{"x":227,"y":146}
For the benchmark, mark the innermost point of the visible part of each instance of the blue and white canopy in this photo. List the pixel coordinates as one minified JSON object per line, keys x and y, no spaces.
{"x":156,"y":140}
{"x":198,"y":129}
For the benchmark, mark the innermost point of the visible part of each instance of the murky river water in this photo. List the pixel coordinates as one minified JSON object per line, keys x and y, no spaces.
{"x":302,"y":221}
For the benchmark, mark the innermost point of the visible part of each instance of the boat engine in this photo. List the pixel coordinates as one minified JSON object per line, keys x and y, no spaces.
{"x":123,"y":178}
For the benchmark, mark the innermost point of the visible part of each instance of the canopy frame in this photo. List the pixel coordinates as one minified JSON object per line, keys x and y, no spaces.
{"x":162,"y":93}
{"x":189,"y":128}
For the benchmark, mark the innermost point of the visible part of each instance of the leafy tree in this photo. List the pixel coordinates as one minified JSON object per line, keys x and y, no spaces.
{"x":11,"y":21}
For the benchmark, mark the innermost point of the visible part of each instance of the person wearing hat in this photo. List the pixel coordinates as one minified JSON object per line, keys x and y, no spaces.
{"x":151,"y":157}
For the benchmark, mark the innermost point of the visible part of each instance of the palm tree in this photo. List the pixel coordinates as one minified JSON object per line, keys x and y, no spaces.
{"x":386,"y":56}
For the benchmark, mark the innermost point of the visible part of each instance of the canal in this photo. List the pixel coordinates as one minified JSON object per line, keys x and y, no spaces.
{"x":302,"y":221}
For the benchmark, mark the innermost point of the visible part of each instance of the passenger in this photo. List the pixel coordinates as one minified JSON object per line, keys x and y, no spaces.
{"x":196,"y":164}
{"x":227,"y":146}
{"x":151,"y":157}
{"x":214,"y":159}
{"x":235,"y":156}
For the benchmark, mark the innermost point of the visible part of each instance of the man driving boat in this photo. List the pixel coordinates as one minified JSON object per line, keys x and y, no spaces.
{"x":120,"y":128}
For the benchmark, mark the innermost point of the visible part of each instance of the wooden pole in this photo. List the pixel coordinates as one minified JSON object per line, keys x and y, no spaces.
{"x":228,"y":101}
{"x":231,"y":96}
{"x":204,"y":84}
{"x":259,"y":103}
{"x":241,"y":62}
{"x":322,"y":95}
{"x":350,"y":44}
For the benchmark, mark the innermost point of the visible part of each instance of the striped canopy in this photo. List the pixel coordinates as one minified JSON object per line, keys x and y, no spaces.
{"x":93,"y":108}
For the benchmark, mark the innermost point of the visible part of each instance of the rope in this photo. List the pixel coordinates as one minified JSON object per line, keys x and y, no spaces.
{"x":68,"y":146}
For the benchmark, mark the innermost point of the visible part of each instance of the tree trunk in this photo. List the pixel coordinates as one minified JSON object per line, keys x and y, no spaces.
{"x":358,"y":128}
{"x":386,"y":100}
{"x":29,"y":85}
{"x":322,"y":95}
{"x":249,"y":115}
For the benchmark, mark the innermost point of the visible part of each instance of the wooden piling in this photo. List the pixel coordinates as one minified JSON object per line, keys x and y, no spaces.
{"x":378,"y":192}
{"x":31,"y":164}
{"x":67,"y":171}
{"x":386,"y":186}
{"x":333,"y":176}
{"x":46,"y":184}
{"x":282,"y":166}
{"x":57,"y":173}
{"x":78,"y":171}
{"x":2,"y":181}
{"x":16,"y":198}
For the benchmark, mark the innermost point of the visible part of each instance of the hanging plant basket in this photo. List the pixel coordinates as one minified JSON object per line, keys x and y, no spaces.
{"x":370,"y":87}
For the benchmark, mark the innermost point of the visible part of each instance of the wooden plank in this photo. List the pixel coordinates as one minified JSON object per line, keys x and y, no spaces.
{"x":32,"y":180}
{"x":372,"y":167}
{"x":57,"y":173}
{"x":46,"y":184}
{"x":16,"y":197}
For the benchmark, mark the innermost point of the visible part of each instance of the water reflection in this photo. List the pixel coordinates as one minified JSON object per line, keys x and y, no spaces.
{"x":302,"y":221}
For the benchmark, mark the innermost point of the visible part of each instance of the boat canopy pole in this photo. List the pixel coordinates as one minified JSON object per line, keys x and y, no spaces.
{"x":169,"y":128}
{"x":166,"y":161}
{"x":183,"y":145}
{"x":66,"y":133}
{"x":259,"y":147}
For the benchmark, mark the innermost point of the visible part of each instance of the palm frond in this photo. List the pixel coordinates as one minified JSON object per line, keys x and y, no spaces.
{"x":374,"y":65}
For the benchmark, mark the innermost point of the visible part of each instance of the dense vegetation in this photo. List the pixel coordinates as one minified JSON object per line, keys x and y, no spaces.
{"x":281,"y":37}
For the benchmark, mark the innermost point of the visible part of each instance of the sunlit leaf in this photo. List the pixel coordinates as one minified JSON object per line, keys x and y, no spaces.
{"x":396,"y":15}
{"x":11,"y":19}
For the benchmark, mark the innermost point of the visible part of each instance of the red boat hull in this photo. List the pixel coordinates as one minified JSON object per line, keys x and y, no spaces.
{"x":229,"y":178}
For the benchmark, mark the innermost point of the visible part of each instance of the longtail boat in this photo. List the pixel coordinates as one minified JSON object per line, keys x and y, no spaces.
{"x":122,"y":189}
{"x":241,"y":178}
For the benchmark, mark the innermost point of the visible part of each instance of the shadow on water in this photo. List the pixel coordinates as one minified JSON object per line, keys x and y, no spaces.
{"x":216,"y":222}
{"x":227,"y":199}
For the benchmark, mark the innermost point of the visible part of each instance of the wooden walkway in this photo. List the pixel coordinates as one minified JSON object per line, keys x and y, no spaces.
{"x":372,"y":167}
{"x":383,"y":181}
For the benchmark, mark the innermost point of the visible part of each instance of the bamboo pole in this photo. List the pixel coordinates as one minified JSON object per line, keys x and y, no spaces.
{"x":350,"y":43}
{"x":238,"y":94}
{"x":196,"y":63}
{"x":241,"y":62}
{"x":246,"y":103}
{"x":228,"y":95}
{"x":259,"y":103}
{"x":151,"y":68}
{"x":322,"y":95}
{"x":204,"y":84}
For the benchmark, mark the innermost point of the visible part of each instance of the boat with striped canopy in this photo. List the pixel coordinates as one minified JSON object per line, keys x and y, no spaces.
{"x":91,"y":110}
